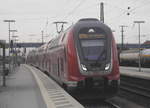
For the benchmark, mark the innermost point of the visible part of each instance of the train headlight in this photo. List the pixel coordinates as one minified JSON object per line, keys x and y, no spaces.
{"x":83,"y":67}
{"x":107,"y":66}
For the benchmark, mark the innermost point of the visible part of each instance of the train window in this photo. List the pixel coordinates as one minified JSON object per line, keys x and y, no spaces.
{"x":62,"y":64}
{"x":58,"y":67}
{"x":46,"y":64}
{"x":90,"y":43}
{"x":54,"y":42}
{"x":49,"y":65}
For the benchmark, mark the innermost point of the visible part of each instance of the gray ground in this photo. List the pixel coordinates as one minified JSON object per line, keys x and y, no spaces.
{"x":21,"y":91}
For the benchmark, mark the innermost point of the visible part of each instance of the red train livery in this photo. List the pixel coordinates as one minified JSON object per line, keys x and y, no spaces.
{"x":83,"y":56}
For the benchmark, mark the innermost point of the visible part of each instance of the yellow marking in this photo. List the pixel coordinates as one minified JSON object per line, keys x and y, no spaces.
{"x":91,"y":36}
{"x":43,"y":90}
{"x":146,"y":55}
{"x":83,"y":36}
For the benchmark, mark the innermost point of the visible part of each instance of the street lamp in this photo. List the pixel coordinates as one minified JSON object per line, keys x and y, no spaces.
{"x":139,"y":22}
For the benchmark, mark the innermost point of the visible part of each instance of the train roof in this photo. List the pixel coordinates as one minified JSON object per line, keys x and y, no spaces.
{"x":88,"y":19}
{"x":82,"y":22}
{"x":130,"y":51}
{"x":144,"y":51}
{"x":92,"y":22}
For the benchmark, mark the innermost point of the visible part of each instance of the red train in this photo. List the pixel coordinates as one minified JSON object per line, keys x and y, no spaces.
{"x":83,"y":56}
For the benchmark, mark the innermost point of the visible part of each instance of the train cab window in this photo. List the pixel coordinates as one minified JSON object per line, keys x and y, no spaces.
{"x":92,"y":49}
{"x":92,"y":42}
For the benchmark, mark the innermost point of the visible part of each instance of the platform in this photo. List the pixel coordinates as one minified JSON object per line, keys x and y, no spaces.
{"x":134,"y":72}
{"x":27,"y":87}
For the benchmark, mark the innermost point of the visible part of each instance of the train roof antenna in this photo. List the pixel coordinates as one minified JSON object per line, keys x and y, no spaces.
{"x":62,"y":26}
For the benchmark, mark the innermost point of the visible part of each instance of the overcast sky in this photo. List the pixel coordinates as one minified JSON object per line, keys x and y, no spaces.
{"x":33,"y":16}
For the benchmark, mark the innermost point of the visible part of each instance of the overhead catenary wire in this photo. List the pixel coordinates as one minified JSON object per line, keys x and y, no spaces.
{"x":140,"y":6}
{"x":78,"y":4}
{"x":70,"y":9}
{"x":125,"y":11}
{"x":66,"y":7}
{"x":87,"y":8}
{"x":74,"y":9}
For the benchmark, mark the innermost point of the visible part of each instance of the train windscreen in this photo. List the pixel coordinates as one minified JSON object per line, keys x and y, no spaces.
{"x":92,"y":42}
{"x":93,"y":49}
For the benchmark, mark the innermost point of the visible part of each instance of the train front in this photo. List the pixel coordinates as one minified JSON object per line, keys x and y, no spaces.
{"x":96,"y":57}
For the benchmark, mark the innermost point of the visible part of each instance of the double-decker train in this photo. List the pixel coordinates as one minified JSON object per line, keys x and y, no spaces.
{"x":82,"y":57}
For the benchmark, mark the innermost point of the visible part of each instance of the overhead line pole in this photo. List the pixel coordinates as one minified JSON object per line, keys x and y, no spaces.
{"x":13,"y":33}
{"x":102,"y":12}
{"x":42,"y":36}
{"x":9,"y":21}
{"x":15,"y":48}
{"x":122,"y":36}
{"x":139,"y":33}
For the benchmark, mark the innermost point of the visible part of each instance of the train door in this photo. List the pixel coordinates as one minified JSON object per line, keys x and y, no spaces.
{"x":43,"y":62}
{"x":60,"y":68}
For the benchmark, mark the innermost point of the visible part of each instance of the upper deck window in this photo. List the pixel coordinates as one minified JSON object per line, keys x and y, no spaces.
{"x":92,"y":43}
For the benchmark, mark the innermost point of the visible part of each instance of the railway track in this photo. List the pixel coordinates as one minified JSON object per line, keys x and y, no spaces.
{"x":98,"y":104}
{"x":136,"y":89}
